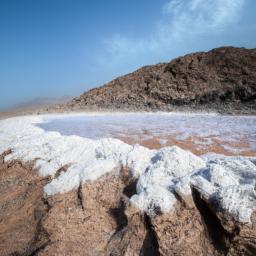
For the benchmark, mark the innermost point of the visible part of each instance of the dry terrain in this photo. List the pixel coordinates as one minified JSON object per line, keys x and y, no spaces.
{"x":97,"y":219}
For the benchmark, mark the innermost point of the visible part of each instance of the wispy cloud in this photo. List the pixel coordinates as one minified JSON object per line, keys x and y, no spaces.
{"x":201,"y":16}
{"x":181,"y":20}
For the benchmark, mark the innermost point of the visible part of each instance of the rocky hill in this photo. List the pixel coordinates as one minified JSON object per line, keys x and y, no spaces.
{"x":220,"y":79}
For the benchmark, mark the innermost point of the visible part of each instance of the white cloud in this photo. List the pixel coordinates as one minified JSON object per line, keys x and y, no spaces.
{"x":185,"y":26}
{"x":202,"y":16}
{"x":182,"y":20}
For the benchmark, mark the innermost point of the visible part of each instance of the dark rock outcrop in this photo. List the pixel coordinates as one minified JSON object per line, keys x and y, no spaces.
{"x":222,"y":77}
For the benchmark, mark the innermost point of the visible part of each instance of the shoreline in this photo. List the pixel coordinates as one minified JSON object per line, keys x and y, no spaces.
{"x":51,"y":110}
{"x":152,"y":141}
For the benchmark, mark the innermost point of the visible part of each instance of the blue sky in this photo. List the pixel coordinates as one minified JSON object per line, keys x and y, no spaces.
{"x":53,"y":48}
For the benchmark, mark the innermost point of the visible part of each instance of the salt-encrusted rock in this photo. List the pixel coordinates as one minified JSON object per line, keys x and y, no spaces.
{"x":226,"y":220}
{"x":238,"y":201}
{"x":154,"y":188}
{"x":162,"y":173}
{"x":230,"y":183}
{"x":107,"y":196}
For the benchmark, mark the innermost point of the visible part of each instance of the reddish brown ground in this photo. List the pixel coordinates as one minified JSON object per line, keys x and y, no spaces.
{"x":191,"y":144}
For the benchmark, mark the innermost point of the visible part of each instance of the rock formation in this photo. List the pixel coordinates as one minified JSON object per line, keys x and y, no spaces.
{"x":65,"y":195}
{"x":222,"y":79}
{"x":98,"y":219}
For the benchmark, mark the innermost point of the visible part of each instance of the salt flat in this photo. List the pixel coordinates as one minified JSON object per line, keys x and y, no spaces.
{"x":199,"y":133}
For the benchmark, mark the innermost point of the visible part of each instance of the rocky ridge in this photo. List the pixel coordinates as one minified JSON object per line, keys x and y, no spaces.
{"x":223,"y":79}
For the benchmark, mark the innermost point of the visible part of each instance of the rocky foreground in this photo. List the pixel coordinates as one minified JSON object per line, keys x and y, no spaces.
{"x":98,"y":219}
{"x":223,"y":79}
{"x":65,"y":195}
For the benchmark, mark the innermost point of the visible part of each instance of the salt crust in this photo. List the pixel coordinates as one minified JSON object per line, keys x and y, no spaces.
{"x":161,"y":174}
{"x":234,"y":133}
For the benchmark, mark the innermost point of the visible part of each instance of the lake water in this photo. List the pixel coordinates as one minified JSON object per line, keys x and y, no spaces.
{"x":199,"y":133}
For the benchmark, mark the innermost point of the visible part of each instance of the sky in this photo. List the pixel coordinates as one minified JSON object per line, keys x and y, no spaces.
{"x":56,"y":48}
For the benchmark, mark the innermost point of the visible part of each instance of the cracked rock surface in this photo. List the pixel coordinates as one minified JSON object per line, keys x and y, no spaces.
{"x":67,"y":195}
{"x":98,"y":219}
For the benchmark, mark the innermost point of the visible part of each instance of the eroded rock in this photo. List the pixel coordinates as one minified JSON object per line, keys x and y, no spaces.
{"x":99,"y":219}
{"x":22,"y":209}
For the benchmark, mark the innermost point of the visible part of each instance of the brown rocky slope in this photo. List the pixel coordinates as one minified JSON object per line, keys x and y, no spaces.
{"x":221,"y":79}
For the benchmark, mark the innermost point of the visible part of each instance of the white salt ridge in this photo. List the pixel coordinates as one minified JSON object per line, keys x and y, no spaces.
{"x":155,"y":183}
{"x":160,"y":173}
{"x":239,"y":201}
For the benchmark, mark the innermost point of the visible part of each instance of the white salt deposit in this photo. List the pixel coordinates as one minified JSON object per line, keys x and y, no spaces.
{"x":154,"y":187}
{"x":161,"y":173}
{"x":238,"y":200}
{"x":234,"y":134}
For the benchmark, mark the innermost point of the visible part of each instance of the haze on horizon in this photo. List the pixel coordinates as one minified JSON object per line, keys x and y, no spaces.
{"x":54,"y":48}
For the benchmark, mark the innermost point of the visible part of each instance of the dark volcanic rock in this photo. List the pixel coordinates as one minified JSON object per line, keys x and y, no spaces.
{"x":223,"y":76}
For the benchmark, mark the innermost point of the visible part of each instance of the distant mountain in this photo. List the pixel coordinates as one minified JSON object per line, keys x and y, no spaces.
{"x":35,"y":106}
{"x":43,"y":101}
{"x":224,"y":76}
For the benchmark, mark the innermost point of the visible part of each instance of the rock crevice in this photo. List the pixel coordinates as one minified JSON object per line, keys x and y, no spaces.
{"x":99,"y":219}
